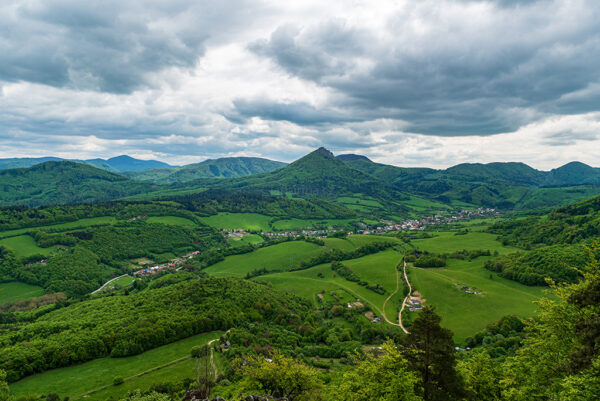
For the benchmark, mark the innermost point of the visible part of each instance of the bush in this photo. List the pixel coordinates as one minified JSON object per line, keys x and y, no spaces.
{"x":118,"y":381}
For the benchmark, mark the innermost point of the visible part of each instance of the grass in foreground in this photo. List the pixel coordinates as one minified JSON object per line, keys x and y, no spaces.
{"x":96,"y":377}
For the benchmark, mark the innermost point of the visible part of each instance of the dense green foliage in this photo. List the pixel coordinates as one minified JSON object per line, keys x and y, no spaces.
{"x":134,"y":240}
{"x":566,"y":225}
{"x":558,"y":262}
{"x":500,"y":185}
{"x":501,"y":338}
{"x":385,"y":377}
{"x":127,"y":325}
{"x":63,"y":182}
{"x":430,"y":352}
{"x":75,"y":272}
{"x":213,"y":201}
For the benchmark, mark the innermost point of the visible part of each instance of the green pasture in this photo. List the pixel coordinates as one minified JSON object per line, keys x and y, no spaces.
{"x":379,"y":268}
{"x":123,"y":281}
{"x":92,"y":221}
{"x":94,"y":379}
{"x":245,"y":240}
{"x":463,"y":313}
{"x":16,"y":291}
{"x":422,"y":204}
{"x":171,"y":220}
{"x":275,"y":257}
{"x":24,"y":245}
{"x":360,"y":201}
{"x":247,"y":221}
{"x":300,"y":224}
{"x":285,"y":255}
{"x":446,"y":242}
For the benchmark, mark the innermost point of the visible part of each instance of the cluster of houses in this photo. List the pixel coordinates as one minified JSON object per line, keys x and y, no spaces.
{"x":235,"y":233}
{"x":173,"y":264}
{"x":421,"y":224}
{"x":138,"y":218}
{"x":42,"y":262}
{"x":414,"y":304}
{"x":312,"y":233}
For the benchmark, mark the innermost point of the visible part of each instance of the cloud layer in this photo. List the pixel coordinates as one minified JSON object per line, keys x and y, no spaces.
{"x":431,"y":82}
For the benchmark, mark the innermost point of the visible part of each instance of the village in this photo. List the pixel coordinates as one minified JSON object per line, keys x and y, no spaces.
{"x":386,"y":227}
{"x":173,"y":264}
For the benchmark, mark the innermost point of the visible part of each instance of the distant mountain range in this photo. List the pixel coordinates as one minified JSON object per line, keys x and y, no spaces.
{"x":114,"y":164}
{"x":351,"y":180}
{"x":227,"y":167}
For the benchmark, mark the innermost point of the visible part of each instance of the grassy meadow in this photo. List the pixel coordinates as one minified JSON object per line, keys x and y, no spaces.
{"x":62,"y":226}
{"x":245,"y":240}
{"x":172,"y":220}
{"x":24,"y":245}
{"x":275,"y":257}
{"x":463,"y":313}
{"x":379,"y":268}
{"x":446,"y":242}
{"x":247,"y":221}
{"x":93,"y":380}
{"x":16,"y":291}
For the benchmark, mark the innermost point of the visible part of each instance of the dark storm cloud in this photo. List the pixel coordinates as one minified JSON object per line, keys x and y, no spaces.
{"x":456,"y":75}
{"x":109,"y":46}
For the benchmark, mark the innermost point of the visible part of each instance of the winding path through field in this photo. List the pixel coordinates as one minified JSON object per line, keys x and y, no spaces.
{"x":212,"y":360}
{"x":108,"y":282}
{"x":405,"y":300}
{"x":390,"y":297}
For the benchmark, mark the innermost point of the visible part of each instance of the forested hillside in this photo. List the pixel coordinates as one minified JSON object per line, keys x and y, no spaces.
{"x":128,"y":325}
{"x":559,"y":242}
{"x":63,"y":183}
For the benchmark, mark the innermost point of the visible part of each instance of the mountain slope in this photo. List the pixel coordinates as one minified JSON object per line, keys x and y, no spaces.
{"x":114,"y":164}
{"x":63,"y":182}
{"x":318,"y":174}
{"x":574,"y":172}
{"x":24,"y":162}
{"x":128,"y":163}
{"x":227,"y":167}
{"x":501,"y":185}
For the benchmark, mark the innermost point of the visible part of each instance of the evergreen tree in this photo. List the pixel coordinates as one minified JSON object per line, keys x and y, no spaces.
{"x":430,"y":352}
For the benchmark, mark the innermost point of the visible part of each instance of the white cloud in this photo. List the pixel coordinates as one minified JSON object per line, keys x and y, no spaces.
{"x":399,"y":81}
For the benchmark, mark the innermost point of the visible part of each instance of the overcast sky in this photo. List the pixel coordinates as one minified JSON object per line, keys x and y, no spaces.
{"x":411,"y":83}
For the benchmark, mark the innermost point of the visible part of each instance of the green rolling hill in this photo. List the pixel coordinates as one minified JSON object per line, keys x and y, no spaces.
{"x":62,"y":183}
{"x":227,"y":167}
